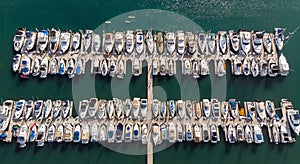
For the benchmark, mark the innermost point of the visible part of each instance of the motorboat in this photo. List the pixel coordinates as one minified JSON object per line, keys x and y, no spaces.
{"x":196,"y":67}
{"x":202,"y":41}
{"x":257,"y":41}
{"x":33,"y":132}
{"x":129,"y":42}
{"x":237,"y":66}
{"x":103,"y":133}
{"x":163,"y":68}
{"x":40,"y":139}
{"x":155,"y":108}
{"x":128,"y":133}
{"x":198,"y":110}
{"x":71,"y":68}
{"x":96,"y":42}
{"x":233,"y":108}
{"x":251,"y":108}
{"x":171,"y":67}
{"x":111,"y":133}
{"x":245,"y":41}
{"x":136,"y":132}
{"x":160,"y":43}
{"x":83,"y":108}
{"x":109,"y":42}
{"x":276,"y":134}
{"x":180,"y":133}
{"x":121,"y":68}
{"x":42,"y":40}
{"x":214,"y":133}
{"x":30,"y":40}
{"x":76,"y":41}
{"x":22,"y":137}
{"x":120,"y":42}
{"x":127,"y":108}
{"x":139,"y":45}
{"x":164,"y":131}
{"x":205,"y":133}
{"x":223,"y":41}
{"x":66,"y":105}
{"x":112,"y":67}
{"x":170,"y":41}
{"x":68,"y":133}
{"x":215,"y":108}
{"x":221,"y":68}
{"x":119,"y":133}
{"x":38,"y":106}
{"x":163,"y":109}
{"x":79,"y":66}
{"x":104,"y":67}
{"x":294,"y":120}
{"x":172,"y":108}
{"x":273,"y":67}
{"x":189,"y":132}
{"x":211,"y":41}
{"x":47,"y":108}
{"x":54,"y":39}
{"x":149,"y":41}
{"x":267,"y":42}
{"x":279,"y":37}
{"x":53,"y":69}
{"x":197,"y":133}
{"x":284,"y":135}
{"x":181,"y":42}
{"x":19,"y":108}
{"x":19,"y":39}
{"x":136,"y":67}
{"x":144,"y":133}
{"x":204,"y":67}
{"x":56,"y":109}
{"x":85,"y":133}
{"x":5,"y":114}
{"x":181,"y":109}
{"x":58,"y":135}
{"x":234,"y":41}
{"x":191,"y":41}
{"x":239,"y":133}
{"x":16,"y":62}
{"x":189,"y":108}
{"x":136,"y":105}
{"x":156,"y":134}
{"x":65,"y":39}
{"x":94,"y":133}
{"x":172,"y":132}
{"x":119,"y":108}
{"x":62,"y":66}
{"x":44,"y":67}
{"x":258,"y":136}
{"x":36,"y":66}
{"x":283,"y":65}
{"x":93,"y":107}
{"x":246,"y":67}
{"x":263,"y":67}
{"x":28,"y":109}
{"x":25,"y":66}
{"x":231,"y":134}
{"x":206,"y":107}
{"x":154,"y":67}
{"x":101,"y":109}
{"x":87,"y":39}
{"x":248,"y":134}
{"x":270,"y":108}
{"x":144,"y":108}
{"x":110,"y":109}
{"x":224,"y":109}
{"x":254,"y":68}
{"x":77,"y":133}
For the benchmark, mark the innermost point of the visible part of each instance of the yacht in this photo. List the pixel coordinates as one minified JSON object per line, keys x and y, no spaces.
{"x":180,"y":132}
{"x":5,"y":114}
{"x":223,"y":41}
{"x":181,"y":42}
{"x":65,"y":38}
{"x":257,"y":41}
{"x":294,"y":120}
{"x":156,"y":134}
{"x":246,"y":67}
{"x":234,"y":41}
{"x":77,"y":133}
{"x":58,"y":136}
{"x":231,"y":134}
{"x":36,"y":66}
{"x":38,"y":106}
{"x":144,"y":108}
{"x":189,"y":132}
{"x":110,"y":109}
{"x":202,"y":39}
{"x":245,"y":41}
{"x":254,"y":68}
{"x":44,"y":67}
{"x":196,"y":70}
{"x":19,"y":39}
{"x":211,"y":41}
{"x":139,"y":45}
{"x":93,"y":107}
{"x":53,"y":66}
{"x":162,"y":69}
{"x":62,"y":66}
{"x":205,"y":133}
{"x":136,"y":132}
{"x":144,"y":133}
{"x":129,"y":42}
{"x":96,"y":42}
{"x":85,"y":133}
{"x":215,"y":108}
{"x":79,"y":66}
{"x":30,"y":39}
{"x":25,"y":66}
{"x":87,"y":39}
{"x":119,"y":133}
{"x":191,"y":41}
{"x":273,"y":67}
{"x":154,"y":67}
{"x":29,"y":108}
{"x":149,"y":42}
{"x":171,"y":67}
{"x":267,"y":42}
{"x":163,"y":109}
{"x":181,"y":109}
{"x":239,"y":133}
{"x":270,"y":108}
{"x":120,"y":42}
{"x":248,"y":134}
{"x":170,"y":41}
{"x":103,"y":133}
{"x":19,"y":106}
{"x":128,"y":133}
{"x":119,"y":109}
{"x":22,"y":137}
{"x":275,"y":133}
{"x":47,"y":108}
{"x":40,"y":139}
{"x":197,"y":133}
{"x":206,"y":108}
{"x":83,"y":108}
{"x":136,"y":67}
{"x":112,"y":67}
{"x":42,"y":40}
{"x":237,"y":66}
{"x":284,"y":135}
{"x":104,"y":67}
{"x":189,"y":108}
{"x":101,"y":109}
{"x":57,"y":108}
{"x":172,"y":108}
{"x":54,"y":39}
{"x":127,"y":108}
{"x":233,"y":108}
{"x":16,"y":62}
{"x":198,"y":109}
{"x":76,"y":41}
{"x":121,"y":69}
{"x":214,"y":133}
{"x":263,"y":67}
{"x":71,"y":68}
{"x":279,"y":37}
{"x":33,"y":132}
{"x":224,"y":109}
{"x":258,"y":136}
{"x":95,"y":132}
{"x":111,"y":133}
{"x":221,"y":68}
{"x":160,"y":43}
{"x":109,"y":42}
{"x":283,"y":65}
{"x":204,"y":67}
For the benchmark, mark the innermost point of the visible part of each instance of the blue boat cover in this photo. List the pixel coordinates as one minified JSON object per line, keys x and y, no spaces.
{"x":3,"y":136}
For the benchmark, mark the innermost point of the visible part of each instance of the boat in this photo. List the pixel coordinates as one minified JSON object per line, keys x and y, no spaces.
{"x":59,"y":133}
{"x":215,"y":108}
{"x":76,"y":41}
{"x":179,"y":133}
{"x":186,"y":70}
{"x":191,"y":40}
{"x":222,"y":41}
{"x":267,"y":42}
{"x":189,"y":132}
{"x":144,"y":109}
{"x":110,"y":109}
{"x":16,"y":62}
{"x":273,"y":67}
{"x":25,"y":66}
{"x":47,"y":108}
{"x":66,"y":105}
{"x":19,"y":106}
{"x":38,"y":106}
{"x":19,"y":39}
{"x":136,"y":132}
{"x":163,"y":131}
{"x":5,"y":115}
{"x":224,"y":109}
{"x":128,"y":133}
{"x":172,"y":132}
{"x":205,"y":132}
{"x":30,"y":40}
{"x":214,"y":133}
{"x":112,"y":67}
{"x":71,"y":68}
{"x":163,"y":68}
{"x":94,"y":132}
{"x":206,"y":108}
{"x":54,"y":39}
{"x":172,"y":108}
{"x":248,"y":134}
{"x":156,"y":134}
{"x":163,"y":109}
{"x":257,"y":41}
{"x":22,"y":137}
{"x":111,"y":133}
{"x":246,"y":67}
{"x":129,"y":42}
{"x":144,"y":133}
{"x":154,"y":67}
{"x":44,"y":68}
{"x":181,"y":109}
{"x":170,"y":41}
{"x":221,"y":68}
{"x":284,"y":67}
{"x":136,"y":108}
{"x":263,"y":67}
{"x":197,"y":133}
{"x":42,"y":40}
{"x":204,"y":67}
{"x":104,"y":67}
{"x":171,"y":67}
{"x":202,"y":40}
{"x":237,"y":66}
{"x":211,"y":41}
{"x":231,"y":134}
{"x":239,"y":133}
{"x":284,"y":135}
{"x":196,"y":70}
{"x":251,"y":108}
{"x":139,"y":45}
{"x":65,"y":39}
{"x":279,"y":37}
{"x":77,"y":133}
{"x":270,"y":108}
{"x":149,"y":41}
{"x":127,"y":108}
{"x":245,"y":41}
{"x":119,"y":109}
{"x":180,"y":42}
{"x":189,"y":108}
{"x":198,"y":109}
{"x":36,"y":66}
{"x":275,"y":134}
{"x":109,"y":42}
{"x":294,"y":120}
{"x":41,"y":135}
{"x":62,"y":66}
{"x":120,"y":42}
{"x":119,"y":133}
{"x":233,"y":108}
{"x":254,"y":68}
{"x":56,"y":109}
{"x":121,"y":69}
{"x":103,"y":133}
{"x":101,"y":109}
{"x":258,"y":136}
{"x":53,"y":66}
{"x":234,"y":41}
{"x":87,"y":40}
{"x":93,"y":107}
{"x":83,"y":108}
{"x":33,"y":132}
{"x":51,"y":133}
{"x":85,"y":133}
{"x":136,"y":67}
{"x":28,"y":109}
{"x":96,"y":42}
{"x":95,"y":64}
{"x":160,"y":43}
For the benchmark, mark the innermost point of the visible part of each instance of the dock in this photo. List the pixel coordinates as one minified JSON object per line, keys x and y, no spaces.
{"x":149,"y":113}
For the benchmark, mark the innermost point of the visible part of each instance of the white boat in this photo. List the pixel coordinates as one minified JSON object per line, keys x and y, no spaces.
{"x":180,"y":42}
{"x":41,"y":135}
{"x":25,"y":66}
{"x":258,"y":136}
{"x":257,"y":41}
{"x":62,"y":66}
{"x":275,"y":133}
{"x":172,"y":108}
{"x":205,"y":133}
{"x":76,"y":41}
{"x":22,"y":137}
{"x":270,"y":108}
{"x":83,"y":108}
{"x":197,"y":133}
{"x":251,"y":109}
{"x":163,"y":109}
{"x":112,"y":67}
{"x":223,"y":41}
{"x":129,"y":42}
{"x":139,"y":45}
{"x":127,"y":108}
{"x":19,"y":106}
{"x":239,"y":133}
{"x":214,"y":133}
{"x":93,"y":107}
{"x":189,"y":132}
{"x":284,"y":135}
{"x":121,"y":69}
{"x":57,"y":108}
{"x":36,"y":66}
{"x":267,"y":42}
{"x":170,"y":41}
{"x":189,"y":108}
{"x":263,"y":67}
{"x":33,"y":132}
{"x":237,"y":66}
{"x":77,"y":133}
{"x":87,"y":40}
{"x":136,"y":132}
{"x":28,"y":109}
{"x":30,"y":40}
{"x":119,"y":108}
{"x":19,"y":39}
{"x":163,"y":68}
{"x":283,"y":65}
{"x":110,"y":109}
{"x":196,"y":67}
{"x":198,"y":110}
{"x":136,"y":67}
{"x":104,"y":67}
{"x":221,"y":68}
{"x":233,"y":108}
{"x":94,"y":132}
{"x":109,"y":42}
{"x":103,"y":133}
{"x":119,"y":132}
{"x":38,"y":106}
{"x":16,"y":62}
{"x":246,"y":67}
{"x":279,"y":37}
{"x":224,"y":109}
{"x":154,"y":67}
{"x":156,"y":134}
{"x":149,"y":41}
{"x":85,"y":133}
{"x":234,"y":41}
{"x":144,"y":108}
{"x":44,"y":68}
{"x":79,"y":66}
{"x":111,"y":133}
{"x":231,"y":134}
{"x":53,"y":66}
{"x":5,"y":114}
{"x":71,"y":68}
{"x":59,"y":133}
{"x":294,"y":120}
{"x":65,"y":38}
{"x":128,"y":133}
{"x":47,"y":108}
{"x":181,"y":109}
{"x":101,"y":109}
{"x":144,"y":133}
{"x":204,"y":67}
{"x":51,"y":133}
{"x":66,"y":105}
{"x":96,"y":42}
{"x":191,"y":41}
{"x":171,"y":67}
{"x":180,"y":133}
{"x":42,"y":40}
{"x":215,"y":108}
{"x":245,"y":41}
{"x":202,"y":40}
{"x":163,"y":131}
{"x":160,"y":43}
{"x":273,"y":67}
{"x":172,"y":132}
{"x":254,"y":68}
{"x":211,"y":41}
{"x":248,"y":134}
{"x":120,"y":42}
{"x":206,"y":106}
{"x":54,"y":39}
{"x":136,"y":108}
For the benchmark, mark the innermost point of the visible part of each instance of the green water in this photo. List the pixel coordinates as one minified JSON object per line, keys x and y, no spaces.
{"x":215,"y":15}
